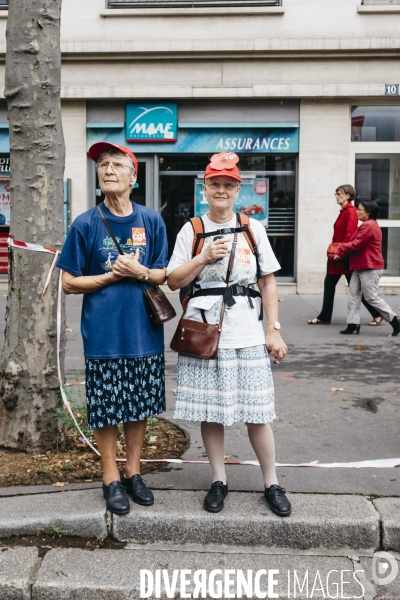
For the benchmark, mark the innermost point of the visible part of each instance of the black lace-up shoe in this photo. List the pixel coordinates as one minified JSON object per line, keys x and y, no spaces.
{"x":214,"y":501}
{"x":138,"y":490}
{"x":278,"y":503}
{"x":115,"y":497}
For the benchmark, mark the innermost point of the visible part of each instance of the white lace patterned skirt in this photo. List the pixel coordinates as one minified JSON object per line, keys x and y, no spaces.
{"x":236,"y":386}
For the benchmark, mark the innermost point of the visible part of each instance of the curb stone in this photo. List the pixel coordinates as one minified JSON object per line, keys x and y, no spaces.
{"x":18,"y":567}
{"x":316,"y":521}
{"x":110,"y":574}
{"x":389,"y":513}
{"x":81,"y":514}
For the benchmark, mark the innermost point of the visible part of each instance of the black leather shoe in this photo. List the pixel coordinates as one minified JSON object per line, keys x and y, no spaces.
{"x":115,"y":497}
{"x":214,"y":501}
{"x":278,"y":503}
{"x":395,"y":323}
{"x":350,"y":329}
{"x":138,"y":490}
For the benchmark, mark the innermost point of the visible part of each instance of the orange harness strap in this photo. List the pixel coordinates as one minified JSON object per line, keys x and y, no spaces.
{"x":198,"y":227}
{"x":248,"y":234}
{"x":198,"y":243}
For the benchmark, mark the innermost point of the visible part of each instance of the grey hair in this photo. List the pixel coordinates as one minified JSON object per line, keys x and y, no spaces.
{"x":116,"y":152}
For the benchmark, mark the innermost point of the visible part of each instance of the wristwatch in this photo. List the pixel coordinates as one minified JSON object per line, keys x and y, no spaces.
{"x":145,"y":278}
{"x":275,"y":325}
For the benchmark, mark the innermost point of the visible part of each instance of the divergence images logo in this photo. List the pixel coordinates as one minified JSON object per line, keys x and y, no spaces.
{"x":151,"y":123}
{"x":384,"y":568}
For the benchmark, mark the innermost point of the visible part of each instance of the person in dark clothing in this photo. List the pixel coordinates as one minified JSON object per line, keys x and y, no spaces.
{"x":345,"y":226}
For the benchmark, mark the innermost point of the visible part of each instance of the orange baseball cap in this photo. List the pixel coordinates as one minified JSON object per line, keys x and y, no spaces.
{"x":223,"y":163}
{"x":96,"y":149}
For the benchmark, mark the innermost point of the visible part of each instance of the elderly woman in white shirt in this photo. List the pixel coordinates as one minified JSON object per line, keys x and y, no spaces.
{"x":237,"y":386}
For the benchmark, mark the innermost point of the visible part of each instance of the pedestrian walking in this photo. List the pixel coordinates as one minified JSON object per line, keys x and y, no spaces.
{"x":124,"y":351}
{"x":236,"y":385}
{"x":343,"y":228}
{"x":366,"y":262}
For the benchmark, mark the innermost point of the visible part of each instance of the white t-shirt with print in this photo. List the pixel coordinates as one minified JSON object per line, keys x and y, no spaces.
{"x":241,"y":327}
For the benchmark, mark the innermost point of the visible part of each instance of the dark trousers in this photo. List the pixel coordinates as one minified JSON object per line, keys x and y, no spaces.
{"x":329,"y":294}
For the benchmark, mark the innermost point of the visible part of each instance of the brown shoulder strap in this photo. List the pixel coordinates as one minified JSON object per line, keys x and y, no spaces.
{"x":198,"y":242}
{"x":110,"y":231}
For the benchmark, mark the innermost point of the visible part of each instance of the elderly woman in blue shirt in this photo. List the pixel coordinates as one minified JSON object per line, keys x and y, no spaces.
{"x":124,"y":351}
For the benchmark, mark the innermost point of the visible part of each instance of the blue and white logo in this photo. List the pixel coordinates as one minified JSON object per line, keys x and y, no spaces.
{"x":151,"y":123}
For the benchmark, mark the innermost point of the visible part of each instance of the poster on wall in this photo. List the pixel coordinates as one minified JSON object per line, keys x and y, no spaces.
{"x":252,"y":200}
{"x":4,"y":201}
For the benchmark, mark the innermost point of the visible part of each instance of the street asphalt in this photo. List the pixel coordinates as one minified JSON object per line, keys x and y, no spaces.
{"x":358,"y":423}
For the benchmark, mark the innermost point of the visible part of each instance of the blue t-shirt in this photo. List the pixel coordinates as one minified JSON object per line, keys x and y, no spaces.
{"x":115,"y":322}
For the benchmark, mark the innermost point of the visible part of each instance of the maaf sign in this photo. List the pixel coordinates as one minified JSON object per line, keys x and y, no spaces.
{"x":151,"y":122}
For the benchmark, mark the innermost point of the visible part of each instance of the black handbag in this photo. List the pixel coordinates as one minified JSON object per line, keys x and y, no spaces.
{"x":160,"y":308}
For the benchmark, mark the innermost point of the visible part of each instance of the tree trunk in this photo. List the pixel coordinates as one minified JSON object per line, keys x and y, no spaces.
{"x":28,"y":366}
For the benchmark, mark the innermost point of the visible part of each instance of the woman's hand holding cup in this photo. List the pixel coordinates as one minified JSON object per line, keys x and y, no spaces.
{"x":217,"y":250}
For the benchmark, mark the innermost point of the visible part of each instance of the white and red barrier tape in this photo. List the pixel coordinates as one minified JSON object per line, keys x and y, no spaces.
{"x":38,"y":248}
{"x":377,"y":464}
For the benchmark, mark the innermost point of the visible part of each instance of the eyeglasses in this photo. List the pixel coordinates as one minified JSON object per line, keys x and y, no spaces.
{"x":116,"y":166}
{"x":215,"y":185}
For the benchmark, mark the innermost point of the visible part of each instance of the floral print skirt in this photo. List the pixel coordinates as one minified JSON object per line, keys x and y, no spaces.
{"x":124,"y":389}
{"x":236,"y":386}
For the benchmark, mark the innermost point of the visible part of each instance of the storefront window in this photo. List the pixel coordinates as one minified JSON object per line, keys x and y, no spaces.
{"x":378,"y":178}
{"x":375,"y":124}
{"x":273,"y":176}
{"x":391,"y":250}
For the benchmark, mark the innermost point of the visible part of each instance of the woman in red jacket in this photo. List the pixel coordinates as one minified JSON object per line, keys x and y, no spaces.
{"x":344,"y":227}
{"x":366,"y":262}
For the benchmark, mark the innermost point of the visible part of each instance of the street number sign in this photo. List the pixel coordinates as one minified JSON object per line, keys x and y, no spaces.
{"x":391,"y":89}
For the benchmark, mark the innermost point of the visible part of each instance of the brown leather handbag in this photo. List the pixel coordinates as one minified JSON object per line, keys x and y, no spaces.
{"x":198,"y":339}
{"x":332,"y":249}
{"x":160,"y":308}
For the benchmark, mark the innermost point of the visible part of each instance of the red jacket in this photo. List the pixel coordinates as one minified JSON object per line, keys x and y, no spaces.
{"x":344,"y":227}
{"x":365,"y":247}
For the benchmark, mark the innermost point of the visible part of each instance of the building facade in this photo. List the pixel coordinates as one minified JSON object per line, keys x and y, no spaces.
{"x":306,"y":93}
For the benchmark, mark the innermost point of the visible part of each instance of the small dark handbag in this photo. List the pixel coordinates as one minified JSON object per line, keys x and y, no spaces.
{"x":160,"y":308}
{"x":198,"y":339}
{"x":332,"y":249}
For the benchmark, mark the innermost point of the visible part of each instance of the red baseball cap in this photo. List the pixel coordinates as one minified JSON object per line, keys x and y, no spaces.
{"x":96,"y":149}
{"x":223,"y":163}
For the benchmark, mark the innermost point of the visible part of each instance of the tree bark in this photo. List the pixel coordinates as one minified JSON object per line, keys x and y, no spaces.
{"x":28,"y":371}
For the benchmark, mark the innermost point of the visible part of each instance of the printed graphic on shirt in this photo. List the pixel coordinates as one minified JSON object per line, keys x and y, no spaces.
{"x":243,"y":256}
{"x":138,"y":236}
{"x":109,"y":251}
